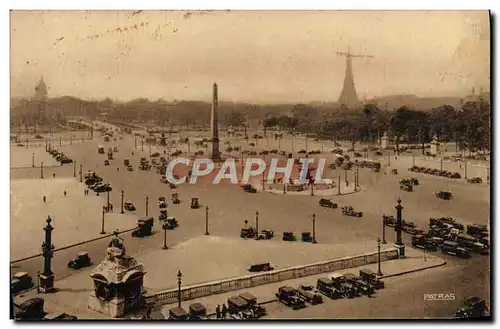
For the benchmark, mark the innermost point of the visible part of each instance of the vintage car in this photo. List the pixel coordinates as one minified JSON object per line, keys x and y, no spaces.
{"x":289,"y":236}
{"x":346,"y":289}
{"x":370,"y":277}
{"x":349,"y":211}
{"x":306,"y":237}
{"x":195,"y":203}
{"x":177,"y":313}
{"x":129,"y":206}
{"x":475,"y":180}
{"x":82,"y":260}
{"x":197,"y":311}
{"x":406,"y":188}
{"x":422,"y":242}
{"x":478,"y":231}
{"x":257,"y":309}
{"x":474,"y":307}
{"x":20,"y":281}
{"x":106,"y":162}
{"x":171,"y":223}
{"x":144,"y":227}
{"x":102,"y":188}
{"x":389,"y":220}
{"x":327,"y":287}
{"x":162,"y":203}
{"x":248,"y":233}
{"x":266,"y":235}
{"x":452,"y":248}
{"x":264,"y":267}
{"x":327,"y":203}
{"x":472,"y":244}
{"x":175,"y":198}
{"x":290,"y":297}
{"x":249,"y":188}
{"x":309,"y":295}
{"x":155,"y":155}
{"x":362,"y":287}
{"x":32,"y":309}
{"x":130,"y":168}
{"x":59,"y":316}
{"x":126,"y":162}
{"x":115,"y":149}
{"x":237,"y":305}
{"x":445,"y":195}
{"x":394,"y":171}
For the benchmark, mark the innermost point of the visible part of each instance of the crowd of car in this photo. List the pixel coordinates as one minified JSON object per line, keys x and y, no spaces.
{"x":435,"y":172}
{"x":60,"y":156}
{"x":346,"y":210}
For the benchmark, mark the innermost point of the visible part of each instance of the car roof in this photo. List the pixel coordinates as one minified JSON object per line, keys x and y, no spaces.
{"x":247,"y":296}
{"x":83,"y":253}
{"x":19,"y":274}
{"x":178,"y":311}
{"x":237,"y":300}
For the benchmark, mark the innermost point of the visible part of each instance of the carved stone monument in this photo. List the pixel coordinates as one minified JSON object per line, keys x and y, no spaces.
{"x":386,"y":141}
{"x":435,"y":146}
{"x":118,"y":282}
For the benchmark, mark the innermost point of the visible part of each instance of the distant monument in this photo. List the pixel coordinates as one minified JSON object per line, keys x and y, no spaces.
{"x":215,"y":156}
{"x":118,"y":282}
{"x":435,"y":146}
{"x":386,"y":141}
{"x":348,"y":97}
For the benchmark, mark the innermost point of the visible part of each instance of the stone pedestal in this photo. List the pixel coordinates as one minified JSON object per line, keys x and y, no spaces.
{"x":435,"y":146}
{"x":47,"y":283}
{"x":114,"y":307}
{"x":401,"y":250}
{"x":386,"y":142}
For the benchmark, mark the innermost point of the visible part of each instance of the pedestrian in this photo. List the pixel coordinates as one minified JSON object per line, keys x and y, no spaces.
{"x":64,"y":192}
{"x":44,"y":198}
{"x":224,"y":311}
{"x":54,"y":175}
{"x":217,"y":312}
{"x":117,"y":169}
{"x":111,"y":207}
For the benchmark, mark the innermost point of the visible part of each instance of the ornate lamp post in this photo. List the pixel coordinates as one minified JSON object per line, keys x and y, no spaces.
{"x":41,"y":170}
{"x":81,"y":173}
{"x":338,"y":185}
{"x":379,"y":272}
{"x":257,"y":224}
{"x":314,"y":228}
{"x":399,"y":226}
{"x":383,"y":230}
{"x":142,"y":143}
{"x":47,"y":276}
{"x":165,"y":227}
{"x":107,"y":205}
{"x":206,"y":221}
{"x":179,"y":281}
{"x":33,"y":160}
{"x":135,"y":142}
{"x":121,"y":212}
{"x":147,"y":205}
{"x":74,"y":168}
{"x":102,"y":222}
{"x":284,"y":187}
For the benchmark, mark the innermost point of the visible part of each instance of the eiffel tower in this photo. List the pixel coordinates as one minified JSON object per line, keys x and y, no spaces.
{"x":348,"y":96}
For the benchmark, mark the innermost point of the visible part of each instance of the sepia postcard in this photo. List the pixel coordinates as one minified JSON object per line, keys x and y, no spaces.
{"x":250,"y":165}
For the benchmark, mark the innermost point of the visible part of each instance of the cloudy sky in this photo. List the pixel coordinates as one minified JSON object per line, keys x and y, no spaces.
{"x":256,"y":56}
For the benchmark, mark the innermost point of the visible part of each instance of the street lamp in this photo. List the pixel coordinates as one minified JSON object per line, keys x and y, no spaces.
{"x":108,"y":200}
{"x":41,"y":170}
{"x":179,"y":281}
{"x":206,"y":221}
{"x":81,"y":173}
{"x":122,"y":202}
{"x":257,"y":224}
{"x":338,"y":185}
{"x":379,"y":272}
{"x":33,"y":160}
{"x":147,"y":205}
{"x":165,"y":236}
{"x":314,"y":228}
{"x":74,"y":168}
{"x":102,"y":224}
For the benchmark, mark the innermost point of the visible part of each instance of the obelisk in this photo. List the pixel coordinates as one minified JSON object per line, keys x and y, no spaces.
{"x":215,"y":156}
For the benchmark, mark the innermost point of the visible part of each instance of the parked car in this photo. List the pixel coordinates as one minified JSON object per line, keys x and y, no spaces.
{"x":266,"y":235}
{"x":349,"y":211}
{"x":195,"y":203}
{"x":21,"y":281}
{"x":144,"y":227}
{"x":129,"y":206}
{"x":289,"y":296}
{"x":289,"y":236}
{"x":82,"y":260}
{"x":197,"y":311}
{"x":327,"y":203}
{"x":264,"y":267}
{"x":327,"y":287}
{"x":474,"y":307}
{"x":452,"y":248}
{"x":257,"y":309}
{"x":177,"y":313}
{"x":32,"y":309}
{"x":445,"y":195}
{"x":309,"y":295}
{"x":237,"y":305}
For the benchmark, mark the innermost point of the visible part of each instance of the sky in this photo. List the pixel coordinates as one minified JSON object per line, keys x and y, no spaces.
{"x":254,"y":56}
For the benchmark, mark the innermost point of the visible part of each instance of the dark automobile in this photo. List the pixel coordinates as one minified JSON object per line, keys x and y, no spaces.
{"x":472,"y":244}
{"x":327,"y":203}
{"x":171,"y":223}
{"x":197,"y":311}
{"x":249,"y":188}
{"x":144,"y":227}
{"x":106,"y":162}
{"x":479,"y":231}
{"x":264,"y":267}
{"x":308,"y":294}
{"x":175,"y":198}
{"x":452,"y":248}
{"x":370,"y":277}
{"x":195,"y":203}
{"x":129,"y":206}
{"x":328,"y":288}
{"x":257,"y":309}
{"x":82,"y":260}
{"x":65,"y":160}
{"x":306,"y":237}
{"x":103,"y":188}
{"x":238,"y":305}
{"x":406,"y":188}
{"x":289,"y":296}
{"x":248,"y":233}
{"x":32,"y":309}
{"x":389,"y":220}
{"x":422,"y":242}
{"x":349,"y":211}
{"x":155,"y":155}
{"x":445,"y":195}
{"x":474,"y":307}
{"x":475,"y":180}
{"x":21,"y":281}
{"x":289,"y":236}
{"x":266,"y":235}
{"x":177,"y":313}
